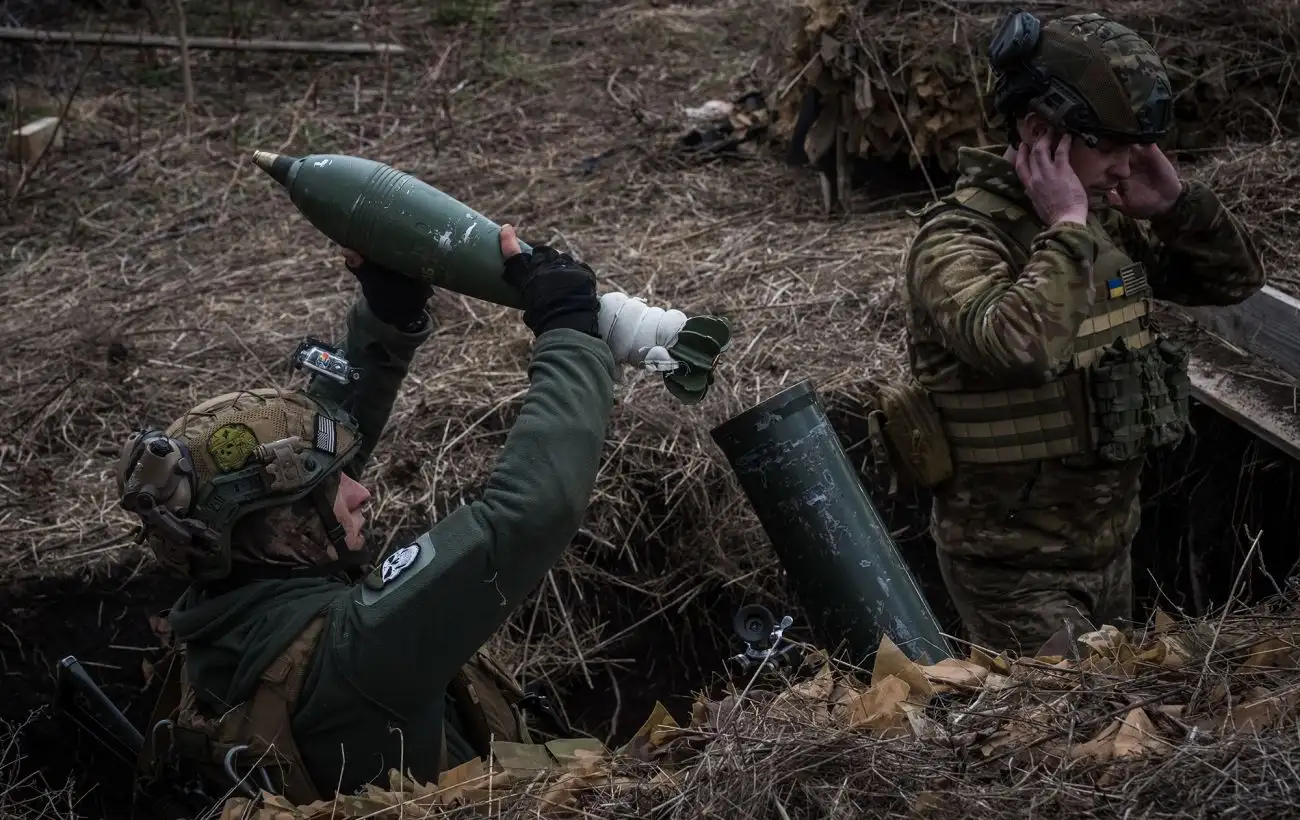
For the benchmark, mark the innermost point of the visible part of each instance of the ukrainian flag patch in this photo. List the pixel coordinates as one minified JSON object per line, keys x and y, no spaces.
{"x":1115,"y":288}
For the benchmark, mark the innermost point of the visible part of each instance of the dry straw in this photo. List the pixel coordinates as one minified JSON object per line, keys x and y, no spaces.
{"x":1187,"y":719}
{"x":148,"y":265}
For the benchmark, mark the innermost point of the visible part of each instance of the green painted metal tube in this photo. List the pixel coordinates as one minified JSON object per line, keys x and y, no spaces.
{"x":843,"y":563}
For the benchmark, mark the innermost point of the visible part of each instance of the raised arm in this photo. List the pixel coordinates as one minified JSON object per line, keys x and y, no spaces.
{"x":433,"y":603}
{"x":385,"y":327}
{"x":1196,"y":253}
{"x":961,"y":268}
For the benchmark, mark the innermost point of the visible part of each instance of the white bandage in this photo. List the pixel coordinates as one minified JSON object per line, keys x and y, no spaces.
{"x":637,"y":333}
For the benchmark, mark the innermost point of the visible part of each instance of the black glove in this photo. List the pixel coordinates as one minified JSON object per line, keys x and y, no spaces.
{"x":558,"y":291}
{"x":395,"y":299}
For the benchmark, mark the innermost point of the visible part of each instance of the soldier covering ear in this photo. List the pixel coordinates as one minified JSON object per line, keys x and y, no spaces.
{"x":1029,"y":292}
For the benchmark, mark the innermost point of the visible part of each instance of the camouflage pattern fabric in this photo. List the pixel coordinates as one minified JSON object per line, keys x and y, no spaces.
{"x":1018,"y":609}
{"x":1018,"y":538}
{"x":1138,"y":73}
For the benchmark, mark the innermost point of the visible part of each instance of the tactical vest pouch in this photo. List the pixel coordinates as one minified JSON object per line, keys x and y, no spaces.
{"x":908,"y":435}
{"x":250,"y":741}
{"x":1139,"y":398}
{"x":487,"y":696}
{"x":1175,"y":358}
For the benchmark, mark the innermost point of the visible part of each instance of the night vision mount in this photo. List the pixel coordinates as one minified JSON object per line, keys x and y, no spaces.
{"x":1011,"y":54}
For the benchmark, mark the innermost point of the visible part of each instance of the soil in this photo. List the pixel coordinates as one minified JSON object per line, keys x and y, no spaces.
{"x":1203,"y":504}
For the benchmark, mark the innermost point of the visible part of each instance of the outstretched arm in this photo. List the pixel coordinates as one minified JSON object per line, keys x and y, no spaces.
{"x":385,"y":327}
{"x":383,"y":353}
{"x":474,"y":567}
{"x":430,"y":605}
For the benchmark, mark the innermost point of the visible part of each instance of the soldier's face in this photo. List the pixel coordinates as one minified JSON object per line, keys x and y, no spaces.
{"x":348,"y":502}
{"x":1099,"y":169}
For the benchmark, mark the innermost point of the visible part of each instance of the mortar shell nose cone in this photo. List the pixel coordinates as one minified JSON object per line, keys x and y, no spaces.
{"x":277,"y":165}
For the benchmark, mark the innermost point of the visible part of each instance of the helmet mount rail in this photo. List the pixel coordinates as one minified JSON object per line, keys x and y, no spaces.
{"x":243,"y":452}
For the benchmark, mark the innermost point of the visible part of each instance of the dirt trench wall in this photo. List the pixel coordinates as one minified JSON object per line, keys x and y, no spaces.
{"x":1203,"y":502}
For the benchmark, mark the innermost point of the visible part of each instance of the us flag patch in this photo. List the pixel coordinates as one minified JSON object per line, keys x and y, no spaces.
{"x":1134,"y":277}
{"x":325,"y":434}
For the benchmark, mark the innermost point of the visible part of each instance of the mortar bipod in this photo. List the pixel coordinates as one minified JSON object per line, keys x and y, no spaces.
{"x":761,"y":634}
{"x":239,"y":782}
{"x":165,"y":723}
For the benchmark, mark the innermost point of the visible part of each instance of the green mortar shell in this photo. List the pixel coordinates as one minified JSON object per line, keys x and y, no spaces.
{"x":843,"y":564}
{"x":397,"y":221}
{"x":406,"y":225}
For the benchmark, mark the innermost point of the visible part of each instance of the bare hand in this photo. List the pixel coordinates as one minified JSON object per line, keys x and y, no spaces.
{"x":1153,"y":185}
{"x":509,"y":242}
{"x":1050,"y":181}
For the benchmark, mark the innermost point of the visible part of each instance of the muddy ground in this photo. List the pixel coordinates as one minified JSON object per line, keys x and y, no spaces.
{"x":151,"y":264}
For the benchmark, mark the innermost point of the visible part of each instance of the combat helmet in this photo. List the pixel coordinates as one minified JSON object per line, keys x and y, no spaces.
{"x":1084,"y":73}
{"x":231,"y":456}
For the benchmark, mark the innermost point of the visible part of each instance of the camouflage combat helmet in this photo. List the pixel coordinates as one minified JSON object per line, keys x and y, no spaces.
{"x":1085,"y":73}
{"x":226,"y":458}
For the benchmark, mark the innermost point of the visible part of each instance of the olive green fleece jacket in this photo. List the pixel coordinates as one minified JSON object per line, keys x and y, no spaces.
{"x":375,"y":694}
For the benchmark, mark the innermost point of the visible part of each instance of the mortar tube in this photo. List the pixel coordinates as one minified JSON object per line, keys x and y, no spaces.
{"x":843,"y":564}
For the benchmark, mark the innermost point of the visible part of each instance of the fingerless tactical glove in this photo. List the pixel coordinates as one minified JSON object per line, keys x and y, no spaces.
{"x":395,"y":299}
{"x":558,"y":291}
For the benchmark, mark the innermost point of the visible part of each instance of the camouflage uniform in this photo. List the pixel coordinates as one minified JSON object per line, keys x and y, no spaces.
{"x":293,"y":662}
{"x":1040,"y":504}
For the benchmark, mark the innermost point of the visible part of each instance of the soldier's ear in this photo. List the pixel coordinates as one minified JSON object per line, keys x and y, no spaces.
{"x":1036,"y":126}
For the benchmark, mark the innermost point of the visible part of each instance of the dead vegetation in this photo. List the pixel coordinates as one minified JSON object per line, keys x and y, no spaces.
{"x":24,"y":793}
{"x":149,"y":265}
{"x":1187,"y":719}
{"x":910,"y":78}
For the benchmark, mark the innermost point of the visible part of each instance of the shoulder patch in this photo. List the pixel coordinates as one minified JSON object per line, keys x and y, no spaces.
{"x":397,"y":563}
{"x":395,"y":570}
{"x":230,"y":446}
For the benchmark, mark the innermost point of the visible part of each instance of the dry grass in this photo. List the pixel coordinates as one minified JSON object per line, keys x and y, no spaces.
{"x":1233,"y":67}
{"x":1188,"y":719}
{"x":150,"y":265}
{"x":1259,"y":182}
{"x":24,"y":795}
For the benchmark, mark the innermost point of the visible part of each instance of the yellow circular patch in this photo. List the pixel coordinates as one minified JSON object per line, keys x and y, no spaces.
{"x":231,"y":445}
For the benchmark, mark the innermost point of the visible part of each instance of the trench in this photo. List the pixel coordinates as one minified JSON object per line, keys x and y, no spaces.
{"x":1222,"y":497}
{"x":1205,"y":504}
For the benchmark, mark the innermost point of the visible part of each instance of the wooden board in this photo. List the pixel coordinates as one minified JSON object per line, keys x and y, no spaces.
{"x":1266,"y":325}
{"x":1265,"y":408}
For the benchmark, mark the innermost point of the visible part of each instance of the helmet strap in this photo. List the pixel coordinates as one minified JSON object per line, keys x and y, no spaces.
{"x":324,"y":501}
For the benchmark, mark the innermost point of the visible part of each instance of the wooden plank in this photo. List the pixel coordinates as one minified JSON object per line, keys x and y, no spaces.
{"x":26,"y":144}
{"x":1266,"y":325}
{"x":32,"y":35}
{"x":1267,"y":409}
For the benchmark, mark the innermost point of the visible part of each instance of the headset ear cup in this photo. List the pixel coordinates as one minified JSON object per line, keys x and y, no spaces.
{"x":1015,"y":41}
